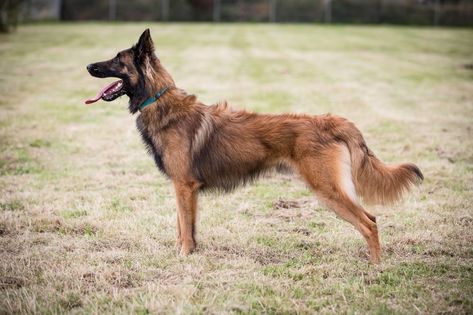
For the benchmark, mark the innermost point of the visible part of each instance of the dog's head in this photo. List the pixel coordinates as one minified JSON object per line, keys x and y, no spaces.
{"x":136,"y":67}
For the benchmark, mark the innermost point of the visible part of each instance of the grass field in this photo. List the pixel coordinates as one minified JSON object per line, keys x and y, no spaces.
{"x":87,"y":223}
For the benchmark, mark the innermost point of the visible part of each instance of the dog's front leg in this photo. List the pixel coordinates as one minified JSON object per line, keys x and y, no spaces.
{"x":178,"y":226}
{"x":186,"y":196}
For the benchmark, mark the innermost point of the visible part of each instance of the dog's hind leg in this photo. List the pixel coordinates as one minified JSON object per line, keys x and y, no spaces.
{"x":186,"y":196}
{"x":370,"y":216}
{"x":354,"y":214}
{"x":329,"y":175}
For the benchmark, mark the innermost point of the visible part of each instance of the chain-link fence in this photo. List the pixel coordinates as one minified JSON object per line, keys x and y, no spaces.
{"x":418,"y":12}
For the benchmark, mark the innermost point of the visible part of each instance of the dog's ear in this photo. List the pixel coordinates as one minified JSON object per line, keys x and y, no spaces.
{"x":145,"y":45}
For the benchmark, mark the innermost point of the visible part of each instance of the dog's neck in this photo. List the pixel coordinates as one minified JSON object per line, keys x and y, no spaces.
{"x":172,"y":105}
{"x":152,"y":79}
{"x":154,"y":98}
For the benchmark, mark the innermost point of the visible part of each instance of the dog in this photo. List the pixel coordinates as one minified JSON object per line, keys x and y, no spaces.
{"x":215,"y":148}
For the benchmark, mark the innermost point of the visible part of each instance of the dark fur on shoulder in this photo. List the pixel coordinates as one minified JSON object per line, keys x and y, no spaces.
{"x":215,"y":148}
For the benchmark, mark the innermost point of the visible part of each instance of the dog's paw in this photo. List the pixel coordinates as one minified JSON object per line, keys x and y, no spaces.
{"x":187,"y":248}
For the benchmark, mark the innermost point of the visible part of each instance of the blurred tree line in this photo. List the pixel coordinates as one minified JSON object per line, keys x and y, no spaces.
{"x":9,"y":13}
{"x":417,"y":12}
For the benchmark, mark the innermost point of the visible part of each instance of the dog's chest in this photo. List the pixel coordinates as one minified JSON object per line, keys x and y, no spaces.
{"x":153,"y":144}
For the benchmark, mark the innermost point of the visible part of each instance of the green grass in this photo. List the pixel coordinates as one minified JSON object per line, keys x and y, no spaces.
{"x":87,"y":224}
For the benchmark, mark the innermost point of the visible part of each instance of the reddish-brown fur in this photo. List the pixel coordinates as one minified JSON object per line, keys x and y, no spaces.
{"x":203,"y":147}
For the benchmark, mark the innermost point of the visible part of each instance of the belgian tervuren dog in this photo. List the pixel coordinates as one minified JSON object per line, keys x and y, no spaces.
{"x":214,"y":147}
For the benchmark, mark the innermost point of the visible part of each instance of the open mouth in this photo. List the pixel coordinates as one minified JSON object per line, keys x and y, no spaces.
{"x":109,"y":93}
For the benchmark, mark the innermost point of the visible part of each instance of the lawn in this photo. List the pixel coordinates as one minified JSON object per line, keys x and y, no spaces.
{"x":87,"y":223}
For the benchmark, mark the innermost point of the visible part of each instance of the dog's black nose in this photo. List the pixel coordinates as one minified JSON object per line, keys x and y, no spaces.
{"x":93,"y":69}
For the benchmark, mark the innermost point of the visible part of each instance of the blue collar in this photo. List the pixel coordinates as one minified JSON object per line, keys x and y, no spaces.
{"x":154,"y":98}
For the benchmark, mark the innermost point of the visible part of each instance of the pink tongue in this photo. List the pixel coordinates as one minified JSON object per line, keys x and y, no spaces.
{"x":102,"y":92}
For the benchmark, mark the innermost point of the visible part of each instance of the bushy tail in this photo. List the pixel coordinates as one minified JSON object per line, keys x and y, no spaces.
{"x":375,"y":182}
{"x":378,"y":183}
